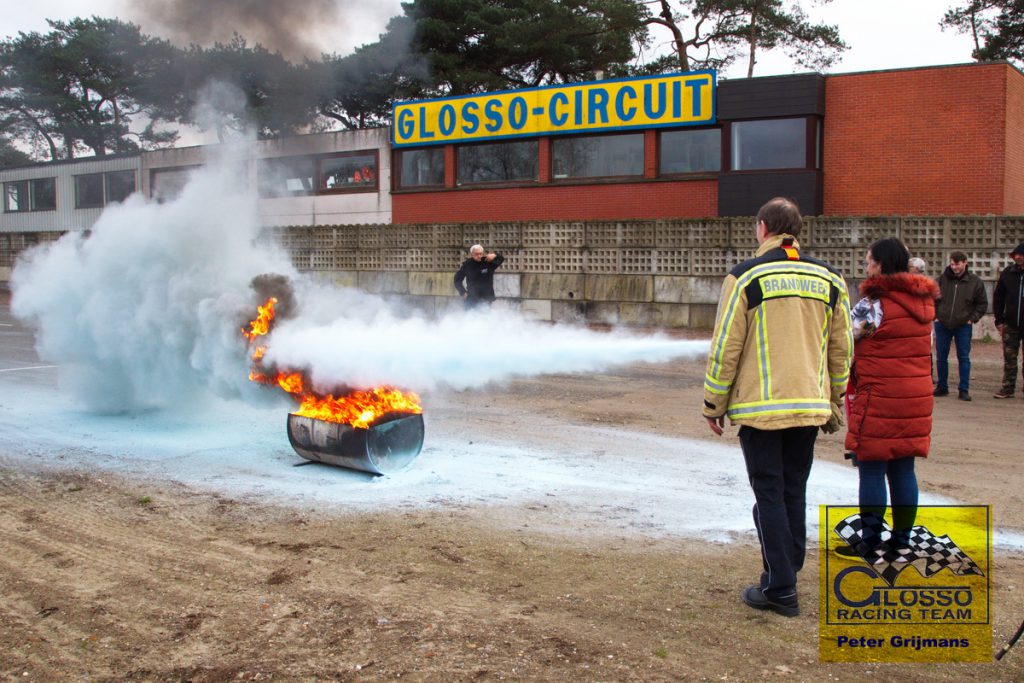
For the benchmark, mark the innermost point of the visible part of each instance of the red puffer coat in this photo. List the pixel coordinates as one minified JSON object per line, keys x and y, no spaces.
{"x":891,"y":412}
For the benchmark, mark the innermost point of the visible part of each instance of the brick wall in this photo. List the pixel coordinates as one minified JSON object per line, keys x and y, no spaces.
{"x":645,"y":200}
{"x":1014,"y":183}
{"x":923,"y":141}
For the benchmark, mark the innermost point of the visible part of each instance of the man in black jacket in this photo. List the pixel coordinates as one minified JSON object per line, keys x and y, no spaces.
{"x":1008,"y":307}
{"x":961,"y":304}
{"x":478,"y":273}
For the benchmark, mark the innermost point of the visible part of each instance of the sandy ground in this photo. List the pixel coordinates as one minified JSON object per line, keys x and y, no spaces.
{"x":118,"y":572}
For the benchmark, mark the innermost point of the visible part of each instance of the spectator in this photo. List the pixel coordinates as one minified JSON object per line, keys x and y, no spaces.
{"x":961,"y":304}
{"x":892,"y":370}
{"x":916,"y":266}
{"x":1008,"y":307}
{"x":478,"y":274}
{"x":778,"y":367}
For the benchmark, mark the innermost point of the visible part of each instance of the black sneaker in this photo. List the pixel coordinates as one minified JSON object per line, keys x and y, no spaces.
{"x":786,"y":605}
{"x":963,"y":395}
{"x":1003,"y":393}
{"x":940,"y":391}
{"x":847,"y":551}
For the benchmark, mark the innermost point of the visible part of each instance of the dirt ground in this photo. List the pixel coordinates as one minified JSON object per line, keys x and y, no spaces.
{"x":110,"y":579}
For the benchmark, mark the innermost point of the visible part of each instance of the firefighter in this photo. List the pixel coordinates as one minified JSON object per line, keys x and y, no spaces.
{"x":778,"y":366}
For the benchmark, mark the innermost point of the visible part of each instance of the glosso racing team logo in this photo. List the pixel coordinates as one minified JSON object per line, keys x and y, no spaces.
{"x":909,"y":595}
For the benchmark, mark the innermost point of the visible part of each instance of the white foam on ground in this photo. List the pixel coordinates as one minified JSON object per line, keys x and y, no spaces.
{"x":610,"y":480}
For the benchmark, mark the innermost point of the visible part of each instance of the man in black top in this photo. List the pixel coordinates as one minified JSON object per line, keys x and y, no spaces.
{"x":1008,"y":306}
{"x":478,"y":273}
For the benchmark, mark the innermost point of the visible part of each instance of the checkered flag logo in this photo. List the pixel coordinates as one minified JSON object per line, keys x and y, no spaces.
{"x":872,"y":538}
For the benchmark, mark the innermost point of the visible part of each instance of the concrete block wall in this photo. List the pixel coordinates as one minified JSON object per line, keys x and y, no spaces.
{"x":659,"y":273}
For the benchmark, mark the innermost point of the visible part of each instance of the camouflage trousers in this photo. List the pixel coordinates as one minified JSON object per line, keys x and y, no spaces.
{"x":1011,"y":349}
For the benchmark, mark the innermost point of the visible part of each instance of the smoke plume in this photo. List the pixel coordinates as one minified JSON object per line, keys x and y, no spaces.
{"x":298,"y":29}
{"x":148,"y":311}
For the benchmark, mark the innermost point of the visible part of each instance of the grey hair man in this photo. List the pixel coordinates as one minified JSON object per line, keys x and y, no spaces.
{"x":474,"y":280}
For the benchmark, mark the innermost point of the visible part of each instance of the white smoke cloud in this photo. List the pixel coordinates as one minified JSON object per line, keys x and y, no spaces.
{"x":461,"y":350}
{"x":147,"y":313}
{"x":147,"y":309}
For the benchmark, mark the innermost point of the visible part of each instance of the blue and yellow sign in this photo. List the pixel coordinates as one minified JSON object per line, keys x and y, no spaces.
{"x":917,"y":594}
{"x":684,"y":99}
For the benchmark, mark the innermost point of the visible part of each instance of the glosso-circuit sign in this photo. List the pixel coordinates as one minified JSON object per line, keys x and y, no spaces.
{"x":683,"y":99}
{"x":914,"y":594}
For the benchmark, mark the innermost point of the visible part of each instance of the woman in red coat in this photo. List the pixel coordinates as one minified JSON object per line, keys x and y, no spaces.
{"x":890,"y":421}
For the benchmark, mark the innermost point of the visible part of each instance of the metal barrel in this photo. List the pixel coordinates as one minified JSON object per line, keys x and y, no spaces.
{"x":383,"y":448}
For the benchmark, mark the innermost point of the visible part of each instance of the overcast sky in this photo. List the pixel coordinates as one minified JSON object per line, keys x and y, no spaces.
{"x":882,"y":34}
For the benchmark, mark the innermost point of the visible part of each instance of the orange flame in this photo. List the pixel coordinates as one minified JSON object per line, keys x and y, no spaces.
{"x":261,"y":325}
{"x":357,"y":408}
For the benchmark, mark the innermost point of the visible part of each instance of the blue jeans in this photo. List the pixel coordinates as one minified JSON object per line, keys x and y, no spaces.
{"x":943,"y":338}
{"x":902,"y":486}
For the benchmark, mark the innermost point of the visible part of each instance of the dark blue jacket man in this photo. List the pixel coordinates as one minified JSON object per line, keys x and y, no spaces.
{"x":478,"y":274}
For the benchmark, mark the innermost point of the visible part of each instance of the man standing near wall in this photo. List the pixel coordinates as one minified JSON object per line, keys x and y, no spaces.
{"x":1008,"y":307}
{"x":778,"y":367}
{"x":962,"y":302}
{"x":478,"y":273}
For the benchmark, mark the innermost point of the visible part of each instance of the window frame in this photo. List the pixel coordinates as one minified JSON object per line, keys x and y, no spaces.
{"x":631,"y":177}
{"x":104,"y":188}
{"x":313,"y":177}
{"x":813,"y":143}
{"x":397,"y":179}
{"x":32,"y":193}
{"x":78,"y":198}
{"x":354,"y":189}
{"x":687,"y":174}
{"x":23,"y":202}
{"x":154,"y":173}
{"x":27,"y":195}
{"x":535,"y":141}
{"x":107,"y":201}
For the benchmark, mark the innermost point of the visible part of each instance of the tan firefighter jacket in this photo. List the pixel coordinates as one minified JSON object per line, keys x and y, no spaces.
{"x":780,"y":355}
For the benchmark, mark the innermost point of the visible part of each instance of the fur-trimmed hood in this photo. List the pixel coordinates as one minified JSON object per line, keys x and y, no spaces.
{"x":916,"y":293}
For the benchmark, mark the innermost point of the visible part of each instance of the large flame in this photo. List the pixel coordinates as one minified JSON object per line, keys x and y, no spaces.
{"x":357,"y":408}
{"x":261,"y":325}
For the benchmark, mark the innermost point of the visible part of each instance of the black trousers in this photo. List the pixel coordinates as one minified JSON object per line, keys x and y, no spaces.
{"x":778,"y":464}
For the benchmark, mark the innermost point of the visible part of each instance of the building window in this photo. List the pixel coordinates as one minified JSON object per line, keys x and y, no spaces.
{"x":39,"y":194}
{"x":775,"y":143}
{"x":421,"y":167}
{"x":119,"y":185}
{"x":349,"y":172}
{"x":498,"y":162}
{"x":286,"y":177}
{"x":43,"y":194}
{"x":690,"y":150}
{"x":166,"y":184}
{"x":16,"y":196}
{"x":99,"y":189}
{"x":597,"y":156}
{"x":88,"y":191}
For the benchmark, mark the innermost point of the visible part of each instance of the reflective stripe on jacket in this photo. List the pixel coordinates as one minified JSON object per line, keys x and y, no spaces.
{"x":781,"y":349}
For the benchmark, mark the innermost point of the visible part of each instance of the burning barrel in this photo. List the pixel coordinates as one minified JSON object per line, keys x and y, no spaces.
{"x":386,"y":446}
